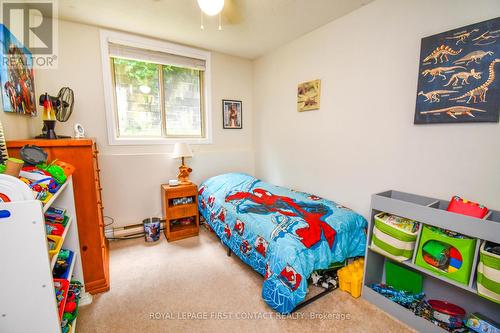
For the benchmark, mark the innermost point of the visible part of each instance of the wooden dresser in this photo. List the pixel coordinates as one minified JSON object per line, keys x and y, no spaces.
{"x":82,"y":154}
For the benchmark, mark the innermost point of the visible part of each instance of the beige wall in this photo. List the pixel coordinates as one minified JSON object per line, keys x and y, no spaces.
{"x":363,"y":139}
{"x":131,"y":175}
{"x":15,"y":126}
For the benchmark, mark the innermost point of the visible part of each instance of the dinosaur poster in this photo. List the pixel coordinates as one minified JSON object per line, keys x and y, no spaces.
{"x":459,"y":75}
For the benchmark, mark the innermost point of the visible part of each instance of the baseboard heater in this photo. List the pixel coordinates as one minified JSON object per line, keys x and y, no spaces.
{"x":127,"y":231}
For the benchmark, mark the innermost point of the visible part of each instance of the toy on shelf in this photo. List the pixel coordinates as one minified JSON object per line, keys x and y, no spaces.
{"x":12,"y":189}
{"x":13,"y":167}
{"x":488,"y":272}
{"x":55,"y":221}
{"x":66,"y":167}
{"x":447,"y":313}
{"x":63,"y":264}
{"x":55,"y":171}
{"x":33,"y":155}
{"x":442,"y":256}
{"x":446,"y":253}
{"x":44,"y":179}
{"x":351,"y":278}
{"x":56,"y":215}
{"x":61,"y":287}
{"x":441,"y":313}
{"x":407,"y":299}
{"x":482,"y":324}
{"x":466,"y":207}
{"x":55,"y":229}
{"x":71,"y":307}
{"x":54,"y":244}
{"x":394,"y":236}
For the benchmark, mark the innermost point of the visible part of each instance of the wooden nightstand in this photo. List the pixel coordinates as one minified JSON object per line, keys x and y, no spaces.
{"x":180,"y":209}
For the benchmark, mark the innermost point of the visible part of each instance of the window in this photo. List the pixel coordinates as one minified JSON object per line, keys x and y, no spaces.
{"x":156,"y":91}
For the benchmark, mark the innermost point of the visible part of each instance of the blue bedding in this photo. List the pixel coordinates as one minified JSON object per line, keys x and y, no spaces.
{"x":283,"y":234}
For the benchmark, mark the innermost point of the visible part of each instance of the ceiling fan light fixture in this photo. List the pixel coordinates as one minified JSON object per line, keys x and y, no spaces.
{"x":211,"y":7}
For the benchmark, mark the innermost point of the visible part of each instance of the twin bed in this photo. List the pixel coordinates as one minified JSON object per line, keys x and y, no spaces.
{"x":283,"y":234}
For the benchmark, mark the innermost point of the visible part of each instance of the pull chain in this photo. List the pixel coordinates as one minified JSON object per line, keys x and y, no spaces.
{"x":201,"y":20}
{"x":220,"y":22}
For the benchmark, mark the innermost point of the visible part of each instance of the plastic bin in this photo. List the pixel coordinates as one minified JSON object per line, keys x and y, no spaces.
{"x":61,"y":287}
{"x":401,"y":278}
{"x":57,"y":245}
{"x":392,"y":241}
{"x":488,"y":275}
{"x":445,"y":255}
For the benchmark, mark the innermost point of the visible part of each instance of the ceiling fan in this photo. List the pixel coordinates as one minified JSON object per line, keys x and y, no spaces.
{"x":227,"y":9}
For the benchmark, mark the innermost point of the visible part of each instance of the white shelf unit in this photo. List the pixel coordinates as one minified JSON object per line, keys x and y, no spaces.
{"x":432,"y":212}
{"x":28,"y":301}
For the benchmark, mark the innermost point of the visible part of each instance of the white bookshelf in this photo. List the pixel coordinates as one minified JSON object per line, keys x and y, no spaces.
{"x":28,"y":301}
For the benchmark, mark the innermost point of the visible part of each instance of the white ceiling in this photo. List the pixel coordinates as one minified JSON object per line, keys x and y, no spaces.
{"x":250,"y":27}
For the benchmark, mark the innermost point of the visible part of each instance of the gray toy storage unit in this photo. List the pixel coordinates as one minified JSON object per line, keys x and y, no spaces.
{"x":456,"y":286}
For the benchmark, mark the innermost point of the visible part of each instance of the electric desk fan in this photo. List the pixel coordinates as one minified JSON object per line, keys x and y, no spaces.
{"x":62,"y":106}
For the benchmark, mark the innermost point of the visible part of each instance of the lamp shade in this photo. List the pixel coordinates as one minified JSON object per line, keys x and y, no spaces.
{"x":211,"y":7}
{"x":182,"y":149}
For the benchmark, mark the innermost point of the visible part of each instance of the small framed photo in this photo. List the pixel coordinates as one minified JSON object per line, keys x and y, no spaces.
{"x":232,"y":114}
{"x":308,"y":95}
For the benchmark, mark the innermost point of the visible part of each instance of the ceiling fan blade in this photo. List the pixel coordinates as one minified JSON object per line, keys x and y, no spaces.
{"x":232,"y":13}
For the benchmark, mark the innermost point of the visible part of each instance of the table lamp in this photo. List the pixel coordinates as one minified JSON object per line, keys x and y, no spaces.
{"x":183,"y":150}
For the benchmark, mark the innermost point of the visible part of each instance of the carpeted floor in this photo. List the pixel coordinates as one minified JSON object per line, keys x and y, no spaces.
{"x":191,"y":285}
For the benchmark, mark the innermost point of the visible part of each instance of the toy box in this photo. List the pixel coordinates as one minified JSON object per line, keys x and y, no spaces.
{"x":466,"y":207}
{"x":403,"y":279}
{"x":446,"y":253}
{"x":482,"y":324}
{"x":394,"y":236}
{"x":488,"y":275}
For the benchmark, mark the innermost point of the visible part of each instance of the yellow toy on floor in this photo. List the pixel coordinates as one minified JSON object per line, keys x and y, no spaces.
{"x":351,"y":277}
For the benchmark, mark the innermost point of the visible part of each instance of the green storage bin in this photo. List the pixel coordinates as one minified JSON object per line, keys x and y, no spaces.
{"x":402,"y":278}
{"x":454,"y":256}
{"x":391,"y":241}
{"x":488,"y":275}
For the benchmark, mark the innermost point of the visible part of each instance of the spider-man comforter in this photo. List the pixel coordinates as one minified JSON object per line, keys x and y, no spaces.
{"x":283,"y":234}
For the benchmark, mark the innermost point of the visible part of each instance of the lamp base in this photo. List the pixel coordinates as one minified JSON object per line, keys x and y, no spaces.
{"x":183,"y":175}
{"x":49,"y":126}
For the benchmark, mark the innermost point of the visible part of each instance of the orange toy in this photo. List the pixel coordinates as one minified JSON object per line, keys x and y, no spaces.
{"x":68,"y":168}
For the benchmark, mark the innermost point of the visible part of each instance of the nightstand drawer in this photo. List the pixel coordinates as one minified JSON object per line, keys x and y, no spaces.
{"x":182,"y":211}
{"x":183,"y":191}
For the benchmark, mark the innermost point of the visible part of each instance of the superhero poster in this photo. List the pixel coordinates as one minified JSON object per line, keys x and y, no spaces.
{"x":16,"y":75}
{"x":458,"y":75}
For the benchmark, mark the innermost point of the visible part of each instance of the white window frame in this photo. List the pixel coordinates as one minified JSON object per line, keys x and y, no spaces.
{"x":108,"y":36}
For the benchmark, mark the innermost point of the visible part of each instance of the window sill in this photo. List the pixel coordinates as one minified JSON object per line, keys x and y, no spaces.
{"x":157,"y":141}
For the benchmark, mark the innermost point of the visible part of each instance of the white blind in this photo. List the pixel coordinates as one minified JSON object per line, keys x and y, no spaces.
{"x":129,"y":52}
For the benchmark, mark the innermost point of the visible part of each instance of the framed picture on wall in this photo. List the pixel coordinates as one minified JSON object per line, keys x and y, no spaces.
{"x":457,"y":79}
{"x":308,"y":95}
{"x":232,"y":114}
{"x":16,"y":75}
